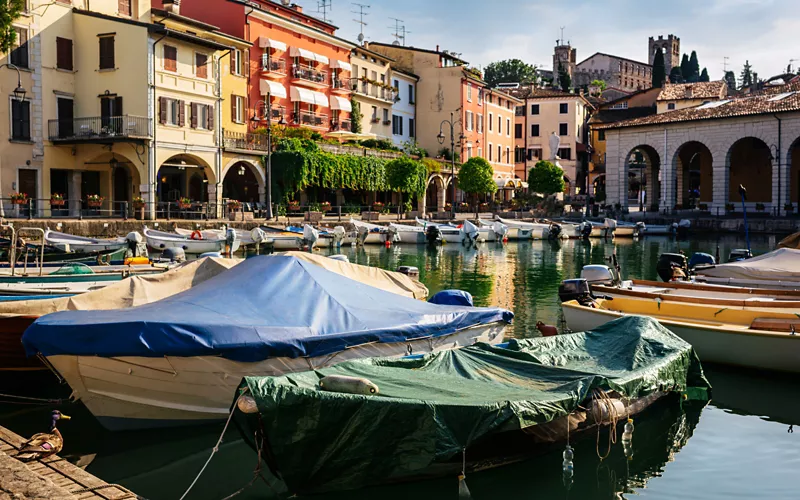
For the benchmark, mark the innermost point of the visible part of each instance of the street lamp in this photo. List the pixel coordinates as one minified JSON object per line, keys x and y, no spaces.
{"x":775,"y":153}
{"x":255,"y":120}
{"x":452,"y":123}
{"x":19,"y":95}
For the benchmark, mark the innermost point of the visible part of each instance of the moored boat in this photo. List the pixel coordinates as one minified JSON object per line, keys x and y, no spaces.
{"x":777,"y":269}
{"x":657,"y":229}
{"x":193,"y":244}
{"x":527,"y":230}
{"x":79,"y":244}
{"x":622,"y":229}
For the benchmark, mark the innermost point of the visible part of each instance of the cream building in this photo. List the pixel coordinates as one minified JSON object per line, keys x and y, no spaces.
{"x":373,"y":90}
{"x":688,"y":95}
{"x":404,"y":109}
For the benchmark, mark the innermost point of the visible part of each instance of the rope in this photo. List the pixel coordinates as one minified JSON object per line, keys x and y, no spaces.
{"x":128,"y":493}
{"x":24,"y":400}
{"x":606,"y":401}
{"x":256,"y":472}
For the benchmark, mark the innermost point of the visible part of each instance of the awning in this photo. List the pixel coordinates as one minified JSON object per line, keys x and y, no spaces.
{"x":505,"y":183}
{"x":309,"y":97}
{"x":341,"y":65}
{"x":265,"y":42}
{"x":274,"y":89}
{"x":307,"y":54}
{"x":341,"y":103}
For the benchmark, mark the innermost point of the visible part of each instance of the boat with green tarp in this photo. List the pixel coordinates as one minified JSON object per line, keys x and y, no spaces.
{"x":384,"y":420}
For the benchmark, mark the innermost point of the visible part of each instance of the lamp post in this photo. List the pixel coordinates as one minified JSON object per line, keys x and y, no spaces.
{"x":19,"y":95}
{"x":452,"y":123}
{"x":775,"y":153}
{"x":255,"y":120}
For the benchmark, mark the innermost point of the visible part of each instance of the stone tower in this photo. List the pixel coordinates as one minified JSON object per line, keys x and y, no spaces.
{"x":567,"y":57}
{"x":671,"y":46}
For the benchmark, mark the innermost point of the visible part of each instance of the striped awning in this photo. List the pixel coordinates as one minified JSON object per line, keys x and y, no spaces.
{"x":274,"y":89}
{"x":307,"y":54}
{"x":299,"y":94}
{"x":345,"y":66}
{"x":341,"y":103}
{"x":265,"y":42}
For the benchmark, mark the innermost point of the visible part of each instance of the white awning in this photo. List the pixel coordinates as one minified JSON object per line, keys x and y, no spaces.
{"x":265,"y":42}
{"x":309,"y":96}
{"x":274,"y":89}
{"x":341,"y":103}
{"x":341,"y":65}
{"x":307,"y":54}
{"x":505,"y":183}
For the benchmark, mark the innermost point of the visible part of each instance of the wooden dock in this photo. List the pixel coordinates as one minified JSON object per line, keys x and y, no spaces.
{"x":50,"y":478}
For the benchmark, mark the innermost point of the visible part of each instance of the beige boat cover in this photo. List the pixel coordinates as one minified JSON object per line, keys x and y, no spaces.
{"x":791,"y":241}
{"x":389,"y":281}
{"x":782,"y":264}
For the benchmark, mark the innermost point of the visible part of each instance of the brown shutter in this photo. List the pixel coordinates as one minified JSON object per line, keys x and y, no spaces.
{"x":181,"y":114}
{"x":233,"y":108}
{"x":162,"y":110}
{"x":64,"y":53}
{"x":246,"y":63}
{"x":107,"y":52}
{"x":193,"y":117}
{"x":118,"y":106}
{"x":210,"y":118}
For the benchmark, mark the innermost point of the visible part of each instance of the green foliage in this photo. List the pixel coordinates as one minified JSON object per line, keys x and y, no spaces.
{"x":546,"y":178}
{"x":412,"y":148}
{"x":355,"y":116}
{"x":675,"y":76}
{"x":747,"y":75}
{"x":476,"y":176}
{"x":406,"y":176}
{"x":432,"y":165}
{"x":510,"y":71}
{"x":686,"y":69}
{"x":599,"y":83}
{"x":694,"y":68}
{"x":730,"y":79}
{"x":704,"y":76}
{"x":383,"y":144}
{"x":445,"y":153}
{"x":564,"y":80}
{"x":659,"y":69}
{"x":295,"y":144}
{"x":10,"y":10}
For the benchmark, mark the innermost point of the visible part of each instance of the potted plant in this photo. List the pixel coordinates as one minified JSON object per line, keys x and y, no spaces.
{"x":94,"y":200}
{"x":325,"y":206}
{"x":138,"y":207}
{"x":463,"y":207}
{"x":760,"y":207}
{"x":56,"y":200}
{"x":234,"y":205}
{"x":729,"y":207}
{"x":293,"y":206}
{"x":19,"y":198}
{"x":448,"y":207}
{"x":186,"y":203}
{"x":484,"y":206}
{"x":377,"y":206}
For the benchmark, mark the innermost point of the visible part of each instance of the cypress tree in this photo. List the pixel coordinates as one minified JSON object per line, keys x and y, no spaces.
{"x":730,"y":79}
{"x":685,"y":69}
{"x":694,"y":68}
{"x":747,"y":75}
{"x":704,"y":76}
{"x":564,"y":80}
{"x":675,"y":76}
{"x":659,"y":69}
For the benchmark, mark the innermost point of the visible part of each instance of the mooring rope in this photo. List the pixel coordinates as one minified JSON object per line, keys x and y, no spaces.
{"x":25,"y":400}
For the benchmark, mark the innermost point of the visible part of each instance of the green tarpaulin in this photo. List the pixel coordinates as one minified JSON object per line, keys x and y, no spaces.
{"x":431,"y":407}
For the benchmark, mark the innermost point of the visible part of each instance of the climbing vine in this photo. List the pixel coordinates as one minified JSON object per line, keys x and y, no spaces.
{"x":407,"y":176}
{"x":355,"y":116}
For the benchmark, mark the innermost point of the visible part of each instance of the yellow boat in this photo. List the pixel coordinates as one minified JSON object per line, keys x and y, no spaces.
{"x":755,"y":337}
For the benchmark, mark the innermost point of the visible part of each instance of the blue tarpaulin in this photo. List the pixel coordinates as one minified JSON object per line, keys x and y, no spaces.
{"x":271,"y":306}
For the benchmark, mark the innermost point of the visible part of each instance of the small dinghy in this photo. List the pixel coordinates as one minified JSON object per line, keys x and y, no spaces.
{"x":368,"y":233}
{"x":193,"y":244}
{"x":246,"y":238}
{"x":80,"y":244}
{"x":527,"y":230}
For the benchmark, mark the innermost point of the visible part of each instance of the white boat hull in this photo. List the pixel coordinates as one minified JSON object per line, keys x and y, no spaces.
{"x":160,"y":241}
{"x":624,"y":231}
{"x":138,"y":392}
{"x":79,"y":244}
{"x":714,"y":344}
{"x":656,"y":230}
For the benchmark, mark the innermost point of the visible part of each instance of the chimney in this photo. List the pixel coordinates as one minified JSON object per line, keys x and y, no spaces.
{"x":296,"y":8}
{"x":689,"y":92}
{"x":173,"y":6}
{"x":437,"y":47}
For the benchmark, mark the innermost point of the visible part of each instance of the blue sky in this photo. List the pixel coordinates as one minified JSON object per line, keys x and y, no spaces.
{"x":763,"y":31}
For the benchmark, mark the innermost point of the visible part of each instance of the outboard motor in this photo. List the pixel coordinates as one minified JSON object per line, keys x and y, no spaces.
{"x":410,"y":271}
{"x":469,"y":234}
{"x":338,"y":236}
{"x":641,"y":229}
{"x":596,"y":274}
{"x":392,"y":234}
{"x":683,"y":229}
{"x":586,"y":230}
{"x":452,"y":298}
{"x":739,"y":254}
{"x":310,"y":237}
{"x":258,"y":235}
{"x":433,"y":235}
{"x":137,"y":247}
{"x":231,"y":241}
{"x":575,"y":289}
{"x":554,"y":232}
{"x":673,"y":229}
{"x":500,"y":231}
{"x":669,"y":263}
{"x":175,"y":254}
{"x":701,"y":259}
{"x":362,"y":235}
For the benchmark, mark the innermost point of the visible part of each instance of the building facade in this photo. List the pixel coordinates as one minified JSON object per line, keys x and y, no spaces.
{"x":404,"y":109}
{"x":374,"y":91}
{"x":688,"y":95}
{"x":499,"y":138}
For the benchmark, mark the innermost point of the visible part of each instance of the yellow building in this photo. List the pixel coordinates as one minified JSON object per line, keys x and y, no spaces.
{"x":373,"y":91}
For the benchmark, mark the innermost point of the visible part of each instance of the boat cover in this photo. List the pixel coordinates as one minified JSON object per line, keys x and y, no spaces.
{"x":270,"y":306}
{"x":429,"y":408}
{"x":791,"y":241}
{"x":782,"y":264}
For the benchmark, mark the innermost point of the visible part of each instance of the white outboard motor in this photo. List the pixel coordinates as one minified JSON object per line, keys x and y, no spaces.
{"x":610,"y":223}
{"x":500,"y":230}
{"x":598,"y":275}
{"x":258,"y":235}
{"x":392,"y":234}
{"x":469,"y":234}
{"x":231,"y":240}
{"x":338,"y":236}
{"x":641,"y":229}
{"x":137,"y":247}
{"x":362,"y":235}
{"x":310,"y":236}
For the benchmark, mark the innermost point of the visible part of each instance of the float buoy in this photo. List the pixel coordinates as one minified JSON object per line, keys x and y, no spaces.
{"x":197,"y":235}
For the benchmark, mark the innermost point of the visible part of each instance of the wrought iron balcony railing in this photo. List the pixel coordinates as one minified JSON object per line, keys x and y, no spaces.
{"x":273,"y":65}
{"x":309,"y":74}
{"x":245,"y":141}
{"x":99,"y":128}
{"x":311,"y":119}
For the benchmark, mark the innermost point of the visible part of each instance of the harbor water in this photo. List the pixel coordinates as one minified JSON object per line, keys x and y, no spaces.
{"x":740,"y":445}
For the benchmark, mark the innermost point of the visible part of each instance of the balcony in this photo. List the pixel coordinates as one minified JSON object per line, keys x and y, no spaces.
{"x":273,"y":66}
{"x":278,"y":113}
{"x":375,"y":91}
{"x":99,"y":129}
{"x":311,"y":119}
{"x":310,"y":76}
{"x":341,"y":126}
{"x":244,"y":142}
{"x":340,"y":85}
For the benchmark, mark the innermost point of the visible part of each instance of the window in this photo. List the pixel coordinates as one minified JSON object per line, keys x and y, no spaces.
{"x":534,"y":154}
{"x":237,"y":109}
{"x":410,"y":94}
{"x":124,"y":7}
{"x":519,"y":155}
{"x":563,"y":108}
{"x":671,"y":106}
{"x":469,"y":152}
{"x":107,"y":52}
{"x":534,"y":109}
{"x":20,"y":120}
{"x":499,"y":155}
{"x":171,"y":112}
{"x":508,"y":126}
{"x":601,"y":135}
{"x":480,"y":124}
{"x":565,"y":153}
{"x":469,"y":92}
{"x":201,"y":117}
{"x":19,"y":55}
{"x":563,"y":129}
{"x":491,"y":119}
{"x":412,"y":128}
{"x":508,"y":154}
{"x":480,"y":152}
{"x":170,"y":58}
{"x":517,"y":131}
{"x":64,"y":53}
{"x":201,"y":65}
{"x":385,"y":116}
{"x":489,"y":149}
{"x":480,"y":102}
{"x":374,"y":113}
{"x":236,"y":62}
{"x":535,"y":130}
{"x":397,"y":125}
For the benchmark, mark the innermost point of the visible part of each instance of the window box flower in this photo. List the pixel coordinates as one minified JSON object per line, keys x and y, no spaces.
{"x":138,"y":202}
{"x":294,"y":206}
{"x":377,"y":206}
{"x":57,"y":200}
{"x":186,"y":203}
{"x":234,"y":205}
{"x":325,"y":206}
{"x":19,"y":198}
{"x":94,"y":200}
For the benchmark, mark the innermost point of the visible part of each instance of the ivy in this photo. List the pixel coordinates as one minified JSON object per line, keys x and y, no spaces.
{"x":355,"y":116}
{"x":407,"y":176}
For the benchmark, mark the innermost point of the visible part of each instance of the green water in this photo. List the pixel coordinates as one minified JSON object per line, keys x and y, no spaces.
{"x":738,"y":446}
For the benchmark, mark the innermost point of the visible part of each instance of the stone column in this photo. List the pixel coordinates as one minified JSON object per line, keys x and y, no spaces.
{"x":441,"y":193}
{"x":616,"y":171}
{"x":783,"y":172}
{"x":75,"y":193}
{"x":667,"y":185}
{"x":213,"y":190}
{"x":720,"y":176}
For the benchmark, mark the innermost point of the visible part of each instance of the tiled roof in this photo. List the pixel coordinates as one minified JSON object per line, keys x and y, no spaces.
{"x":740,"y":106}
{"x":617,"y":115}
{"x":539,"y":93}
{"x":700,"y":90}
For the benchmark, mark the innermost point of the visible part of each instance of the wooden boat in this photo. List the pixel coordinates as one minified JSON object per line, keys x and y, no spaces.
{"x":159,"y":240}
{"x":656,"y":230}
{"x":777,"y":269}
{"x":755,"y":337}
{"x":526,"y":230}
{"x":485,"y":233}
{"x":79,"y":244}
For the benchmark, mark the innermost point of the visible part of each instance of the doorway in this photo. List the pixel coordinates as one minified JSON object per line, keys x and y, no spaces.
{"x":65,"y":117}
{"x":90,"y":184}
{"x":121,"y":184}
{"x":59,"y":184}
{"x":29,"y":184}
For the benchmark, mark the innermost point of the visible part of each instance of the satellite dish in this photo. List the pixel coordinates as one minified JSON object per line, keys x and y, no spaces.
{"x":285,"y":2}
{"x":396,"y":43}
{"x":360,"y":37}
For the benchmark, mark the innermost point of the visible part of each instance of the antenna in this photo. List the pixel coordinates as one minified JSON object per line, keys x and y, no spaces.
{"x":725,"y":60}
{"x":322,"y":8}
{"x":561,"y":40}
{"x":360,"y":20}
{"x":399,"y":31}
{"x":790,"y":64}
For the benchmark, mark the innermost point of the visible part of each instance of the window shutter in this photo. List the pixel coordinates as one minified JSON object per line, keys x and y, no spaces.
{"x":118,"y":106}
{"x":234,"y":103}
{"x":64,"y":53}
{"x":107,"y":52}
{"x":193,"y":117}
{"x":162,"y":110}
{"x":210,"y":117}
{"x":181,"y":114}
{"x":246,"y":63}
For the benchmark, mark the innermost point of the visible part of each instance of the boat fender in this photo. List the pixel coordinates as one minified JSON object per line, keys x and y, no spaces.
{"x":246,"y":404}
{"x":349,"y":385}
{"x":196,"y":235}
{"x":133,"y":261}
{"x":602,"y":410}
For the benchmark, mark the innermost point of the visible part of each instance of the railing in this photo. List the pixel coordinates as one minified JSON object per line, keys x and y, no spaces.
{"x":311,"y":119}
{"x":341,"y":149}
{"x":278,"y":112}
{"x":244,"y":141}
{"x":339,"y":84}
{"x":309,"y":74}
{"x":99,"y":127}
{"x":47,"y":208}
{"x":273,"y":65}
{"x":388,"y":94}
{"x":519,"y":111}
{"x":341,"y":125}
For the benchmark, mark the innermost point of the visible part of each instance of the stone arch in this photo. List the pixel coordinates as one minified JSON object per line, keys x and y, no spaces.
{"x":694,"y":171}
{"x":643,"y":174}
{"x":255,"y":166}
{"x":749,"y":163}
{"x":435,"y":193}
{"x":112,"y":175}
{"x":185,"y":175}
{"x":243,"y":180}
{"x":793,"y":163}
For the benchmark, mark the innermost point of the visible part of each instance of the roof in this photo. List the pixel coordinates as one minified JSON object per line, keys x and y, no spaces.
{"x":616,"y":115}
{"x":416,"y":49}
{"x":528,"y":92}
{"x":700,"y":90}
{"x":614,"y":57}
{"x":403,"y":72}
{"x":163,"y":14}
{"x":383,"y":57}
{"x":749,"y":105}
{"x":505,"y":93}
{"x":149,"y":26}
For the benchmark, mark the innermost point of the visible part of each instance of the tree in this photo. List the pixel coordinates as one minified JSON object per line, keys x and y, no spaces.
{"x":659,"y":69}
{"x":355,"y":116}
{"x":685,"y":68}
{"x":704,"y":76}
{"x":9,"y":12}
{"x":747,"y":75}
{"x":546,"y":178}
{"x":730,"y":79}
{"x":510,"y":71}
{"x":599,"y":83}
{"x":476,"y":177}
{"x":675,"y":76}
{"x":564,"y":80}
{"x":405,"y":175}
{"x":694,"y":68}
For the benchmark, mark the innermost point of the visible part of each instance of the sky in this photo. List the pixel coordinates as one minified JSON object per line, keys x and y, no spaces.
{"x":765,"y":32}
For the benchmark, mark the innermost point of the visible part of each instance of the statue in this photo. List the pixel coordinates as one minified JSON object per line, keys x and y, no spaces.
{"x":555,"y":143}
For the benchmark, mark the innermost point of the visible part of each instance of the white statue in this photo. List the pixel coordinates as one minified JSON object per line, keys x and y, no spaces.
{"x":555,"y":143}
